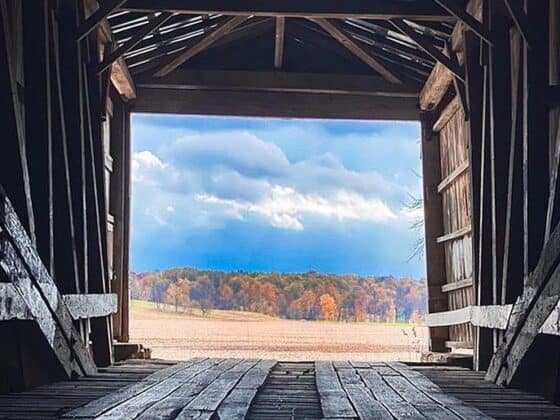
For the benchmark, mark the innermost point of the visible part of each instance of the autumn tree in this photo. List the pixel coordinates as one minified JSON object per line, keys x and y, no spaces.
{"x":328,"y":307}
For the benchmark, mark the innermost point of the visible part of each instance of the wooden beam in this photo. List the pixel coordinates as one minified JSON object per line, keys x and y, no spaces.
{"x":445,"y":319}
{"x":279,"y":42}
{"x":107,"y":7}
{"x":433,"y":227}
{"x":459,"y":233}
{"x":469,"y":20}
{"x":204,"y":43}
{"x":457,"y":285}
{"x":449,"y":179}
{"x":22,"y":266}
{"x":427,"y":46}
{"x":355,"y":49}
{"x":328,"y":9}
{"x":275,"y":104}
{"x":139,"y":35}
{"x":13,"y":306}
{"x":279,"y":82}
{"x":448,"y":112}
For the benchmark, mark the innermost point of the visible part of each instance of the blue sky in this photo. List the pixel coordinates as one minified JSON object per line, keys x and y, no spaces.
{"x":274,"y":195}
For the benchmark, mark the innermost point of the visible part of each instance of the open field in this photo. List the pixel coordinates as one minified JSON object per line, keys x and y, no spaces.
{"x":181,"y":336}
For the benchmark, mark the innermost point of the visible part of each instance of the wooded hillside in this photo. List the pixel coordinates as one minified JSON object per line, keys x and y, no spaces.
{"x":312,"y":295}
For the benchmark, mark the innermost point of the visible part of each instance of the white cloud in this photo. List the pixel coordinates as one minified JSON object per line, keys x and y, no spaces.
{"x":285,"y":208}
{"x":170,"y":209}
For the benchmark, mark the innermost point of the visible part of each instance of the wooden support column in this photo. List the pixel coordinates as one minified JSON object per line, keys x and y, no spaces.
{"x":474,"y":87}
{"x":535,"y":135}
{"x":13,"y":159}
{"x":117,"y":208}
{"x":125,"y":301}
{"x":64,"y":252}
{"x":512,"y":280}
{"x":433,"y":225}
{"x":500,"y":127}
{"x":38,"y":134}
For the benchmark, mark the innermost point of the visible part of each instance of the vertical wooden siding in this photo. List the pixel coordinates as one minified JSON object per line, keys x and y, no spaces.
{"x":456,"y":216}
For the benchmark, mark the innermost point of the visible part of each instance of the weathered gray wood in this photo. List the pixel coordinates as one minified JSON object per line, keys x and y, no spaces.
{"x":236,"y":405}
{"x":459,"y":170}
{"x":383,"y":393}
{"x":454,"y":317}
{"x":133,"y":407}
{"x":29,"y":276}
{"x":173,"y":403}
{"x":98,"y":407}
{"x":459,"y":233}
{"x":334,"y":401}
{"x":367,"y":407}
{"x":91,"y":305}
{"x":209,"y":399}
{"x":12,"y":306}
{"x":461,"y":284}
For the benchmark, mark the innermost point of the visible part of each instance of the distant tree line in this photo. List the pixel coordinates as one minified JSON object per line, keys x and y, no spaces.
{"x":311,"y":296}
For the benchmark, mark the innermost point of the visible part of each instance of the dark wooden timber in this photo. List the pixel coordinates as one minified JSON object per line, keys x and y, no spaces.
{"x":433,"y":225}
{"x":377,"y":9}
{"x":219,"y":32}
{"x":274,"y":104}
{"x":279,"y":82}
{"x":90,"y":24}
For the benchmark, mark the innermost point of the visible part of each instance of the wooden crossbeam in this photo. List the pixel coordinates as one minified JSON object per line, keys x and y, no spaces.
{"x":107,"y":7}
{"x":459,"y":233}
{"x":467,"y":19}
{"x":355,"y":49}
{"x":280,"y":82}
{"x":139,"y":35}
{"x":279,"y":42}
{"x":330,"y":9}
{"x":13,"y":306}
{"x":215,"y":35}
{"x":23,"y":267}
{"x":427,"y":46}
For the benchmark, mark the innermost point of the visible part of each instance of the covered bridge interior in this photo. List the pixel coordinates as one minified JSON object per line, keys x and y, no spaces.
{"x":482,"y":77}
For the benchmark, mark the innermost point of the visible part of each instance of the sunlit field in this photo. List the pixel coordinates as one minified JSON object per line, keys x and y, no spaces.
{"x":185,"y":334}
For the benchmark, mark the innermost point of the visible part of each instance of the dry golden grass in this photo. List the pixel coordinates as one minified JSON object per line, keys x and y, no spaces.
{"x":181,"y":336}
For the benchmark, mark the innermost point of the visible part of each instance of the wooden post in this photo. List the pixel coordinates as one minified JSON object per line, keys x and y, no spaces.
{"x":535,"y":134}
{"x":433,"y":225}
{"x":38,"y":123}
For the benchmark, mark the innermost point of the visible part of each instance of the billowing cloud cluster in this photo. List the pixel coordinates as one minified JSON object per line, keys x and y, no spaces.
{"x":212,"y":177}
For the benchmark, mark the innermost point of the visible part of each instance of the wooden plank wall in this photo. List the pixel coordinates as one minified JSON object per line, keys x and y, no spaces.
{"x":456,"y":202}
{"x":65,"y":166}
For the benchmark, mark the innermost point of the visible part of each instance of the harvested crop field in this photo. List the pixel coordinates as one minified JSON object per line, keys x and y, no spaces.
{"x":180,"y":336}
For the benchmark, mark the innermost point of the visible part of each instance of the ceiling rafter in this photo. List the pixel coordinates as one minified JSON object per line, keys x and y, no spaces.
{"x":154,"y":23}
{"x":347,"y":42}
{"x":91,"y":22}
{"x":212,"y":37}
{"x":478,"y":28}
{"x":428,"y":47}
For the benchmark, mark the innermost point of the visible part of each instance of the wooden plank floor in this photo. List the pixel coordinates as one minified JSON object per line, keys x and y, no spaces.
{"x":496,"y":401}
{"x":212,"y":389}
